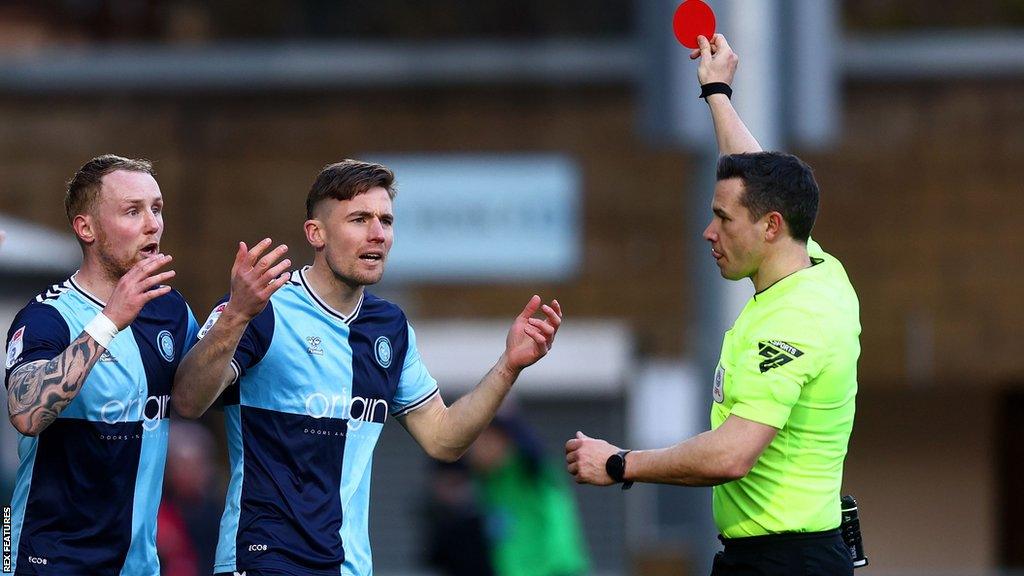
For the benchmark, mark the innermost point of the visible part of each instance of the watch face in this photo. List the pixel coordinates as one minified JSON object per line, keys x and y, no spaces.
{"x":615,"y":467}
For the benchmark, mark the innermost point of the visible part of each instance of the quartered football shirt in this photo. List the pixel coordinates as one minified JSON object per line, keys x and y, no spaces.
{"x":88,"y":487}
{"x":313,"y":390}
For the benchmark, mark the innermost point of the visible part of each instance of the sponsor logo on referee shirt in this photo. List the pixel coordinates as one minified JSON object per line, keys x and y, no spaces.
{"x":776,"y":353}
{"x":15,"y":347}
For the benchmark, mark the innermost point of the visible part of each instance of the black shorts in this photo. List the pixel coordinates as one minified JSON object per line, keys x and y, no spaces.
{"x":796,"y":554}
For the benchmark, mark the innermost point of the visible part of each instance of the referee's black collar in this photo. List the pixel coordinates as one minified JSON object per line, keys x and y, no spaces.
{"x":814,"y":262}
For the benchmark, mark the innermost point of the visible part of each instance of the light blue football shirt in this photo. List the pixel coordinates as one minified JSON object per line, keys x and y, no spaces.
{"x":314,"y":389}
{"x":88,"y":487}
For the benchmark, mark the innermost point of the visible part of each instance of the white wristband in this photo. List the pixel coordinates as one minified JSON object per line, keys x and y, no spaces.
{"x":102,"y":330}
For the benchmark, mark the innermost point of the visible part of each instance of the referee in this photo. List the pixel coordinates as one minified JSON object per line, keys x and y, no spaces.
{"x":785,"y":385}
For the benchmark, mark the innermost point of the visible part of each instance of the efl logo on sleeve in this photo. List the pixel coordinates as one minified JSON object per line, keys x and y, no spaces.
{"x":214,"y":316}
{"x":15,"y":347}
{"x":718,"y":391}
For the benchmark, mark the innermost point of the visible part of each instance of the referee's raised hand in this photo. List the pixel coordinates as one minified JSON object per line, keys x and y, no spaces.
{"x":255,"y":276}
{"x":718,"y":62}
{"x":136,"y":288}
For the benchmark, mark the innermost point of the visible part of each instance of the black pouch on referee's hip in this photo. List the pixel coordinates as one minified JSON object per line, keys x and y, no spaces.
{"x":850,"y":529}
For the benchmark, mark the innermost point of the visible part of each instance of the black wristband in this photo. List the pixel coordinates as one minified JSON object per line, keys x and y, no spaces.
{"x":715,"y":88}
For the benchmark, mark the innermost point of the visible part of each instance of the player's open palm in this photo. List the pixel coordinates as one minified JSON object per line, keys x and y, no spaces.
{"x":136,"y":288}
{"x":255,"y":275}
{"x":530,"y":338}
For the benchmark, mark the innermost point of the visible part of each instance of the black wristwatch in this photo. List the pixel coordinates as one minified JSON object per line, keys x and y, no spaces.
{"x":615,"y":466}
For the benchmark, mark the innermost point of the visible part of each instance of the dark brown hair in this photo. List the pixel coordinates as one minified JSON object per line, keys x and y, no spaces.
{"x":775,"y":182}
{"x":347,"y":179}
{"x":86,"y":183}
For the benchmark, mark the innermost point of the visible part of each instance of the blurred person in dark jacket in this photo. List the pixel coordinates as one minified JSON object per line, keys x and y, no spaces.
{"x":457,"y":543}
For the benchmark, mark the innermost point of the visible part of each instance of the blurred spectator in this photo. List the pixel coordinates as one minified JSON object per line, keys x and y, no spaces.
{"x":189,"y":514}
{"x":532,"y":523}
{"x":455,"y":524}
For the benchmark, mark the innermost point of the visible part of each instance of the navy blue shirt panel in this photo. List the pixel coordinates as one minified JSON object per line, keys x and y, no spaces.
{"x":256,"y":339}
{"x":377,"y":368}
{"x":78,"y":517}
{"x":252,"y":347}
{"x":47,"y":339}
{"x":161,"y":332}
{"x":287,"y":455}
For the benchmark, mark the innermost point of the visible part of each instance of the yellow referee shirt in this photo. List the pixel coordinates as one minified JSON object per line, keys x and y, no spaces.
{"x":790,"y":361}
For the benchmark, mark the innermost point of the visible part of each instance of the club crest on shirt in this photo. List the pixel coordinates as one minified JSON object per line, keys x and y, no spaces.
{"x":776,"y":353}
{"x":211,"y":320}
{"x":314,"y":345}
{"x":165,"y":344}
{"x":382,"y":351}
{"x":718,"y":390}
{"x":15,"y":347}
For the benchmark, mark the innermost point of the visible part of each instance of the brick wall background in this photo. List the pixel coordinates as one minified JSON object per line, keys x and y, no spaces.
{"x":922,"y":199}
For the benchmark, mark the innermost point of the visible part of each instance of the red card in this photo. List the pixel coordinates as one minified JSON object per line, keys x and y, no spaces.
{"x":693,"y":18}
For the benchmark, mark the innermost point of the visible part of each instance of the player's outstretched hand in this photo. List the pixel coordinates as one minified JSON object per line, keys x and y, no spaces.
{"x":529,"y":338}
{"x":717,"y":60}
{"x":585,"y":458}
{"x":136,"y":288}
{"x":255,"y":276}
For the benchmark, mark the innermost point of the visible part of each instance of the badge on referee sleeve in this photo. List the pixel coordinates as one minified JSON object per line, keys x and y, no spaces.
{"x":776,"y":353}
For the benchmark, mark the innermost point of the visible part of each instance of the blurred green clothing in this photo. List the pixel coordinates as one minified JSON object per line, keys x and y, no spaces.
{"x":532,"y":521}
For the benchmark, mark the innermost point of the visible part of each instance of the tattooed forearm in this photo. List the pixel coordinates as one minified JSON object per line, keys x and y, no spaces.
{"x":38,"y":392}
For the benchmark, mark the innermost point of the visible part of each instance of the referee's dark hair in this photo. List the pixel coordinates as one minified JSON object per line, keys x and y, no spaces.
{"x":775,"y":182}
{"x":85,"y":185}
{"x":347,"y":179}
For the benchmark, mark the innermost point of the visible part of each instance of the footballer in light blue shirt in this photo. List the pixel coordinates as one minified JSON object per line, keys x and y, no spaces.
{"x":90,"y":363}
{"x":309,"y":366}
